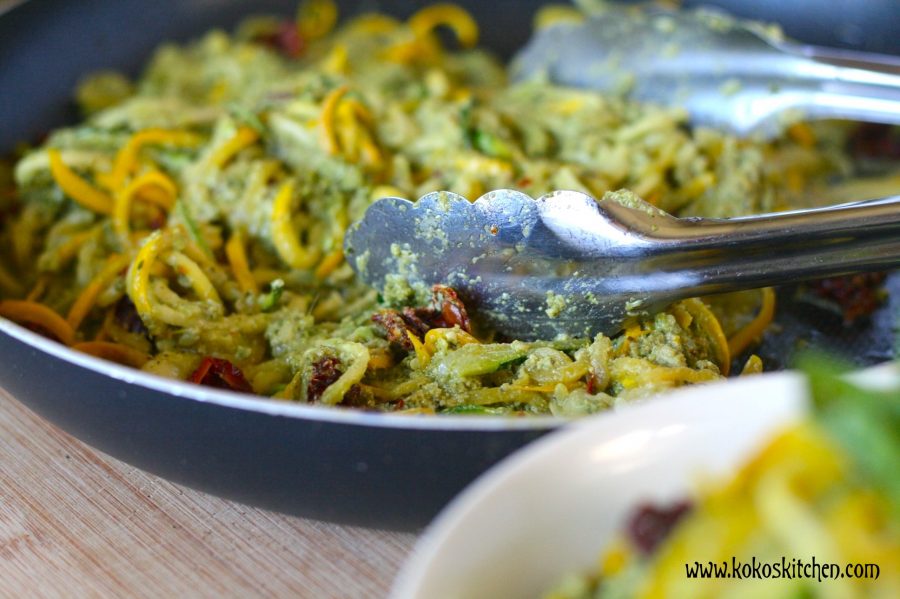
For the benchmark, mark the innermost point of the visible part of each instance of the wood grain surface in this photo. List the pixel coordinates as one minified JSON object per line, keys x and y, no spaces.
{"x":77,"y":523}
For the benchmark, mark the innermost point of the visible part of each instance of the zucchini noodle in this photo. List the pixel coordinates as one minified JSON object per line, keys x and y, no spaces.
{"x":223,"y":180}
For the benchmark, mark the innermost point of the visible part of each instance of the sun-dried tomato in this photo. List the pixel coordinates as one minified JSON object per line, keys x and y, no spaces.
{"x":418,"y":320}
{"x":651,"y":524}
{"x":872,"y":140}
{"x":286,"y":39}
{"x":446,"y":311}
{"x":221,"y":374}
{"x":592,"y":385}
{"x":450,"y":308}
{"x":127,"y":317}
{"x":391,"y":321}
{"x":354,"y":397}
{"x":856,"y":295}
{"x":325,"y":371}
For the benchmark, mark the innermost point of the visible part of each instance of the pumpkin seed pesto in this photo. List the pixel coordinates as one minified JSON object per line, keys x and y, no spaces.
{"x":227,"y":174}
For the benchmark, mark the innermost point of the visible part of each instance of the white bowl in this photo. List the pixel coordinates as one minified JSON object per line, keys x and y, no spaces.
{"x":549,"y":509}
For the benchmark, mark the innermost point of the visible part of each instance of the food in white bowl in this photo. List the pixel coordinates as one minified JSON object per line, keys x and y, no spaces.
{"x":548,"y":513}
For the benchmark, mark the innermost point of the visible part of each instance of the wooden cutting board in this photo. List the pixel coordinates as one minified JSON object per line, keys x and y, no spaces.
{"x":77,"y":523}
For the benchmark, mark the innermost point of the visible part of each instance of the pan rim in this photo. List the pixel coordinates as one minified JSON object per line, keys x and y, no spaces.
{"x":273,"y":407}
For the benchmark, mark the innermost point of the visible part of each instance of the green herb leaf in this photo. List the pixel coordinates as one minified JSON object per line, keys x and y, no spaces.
{"x":865,"y":422}
{"x":269,"y":301}
{"x":193,"y":229}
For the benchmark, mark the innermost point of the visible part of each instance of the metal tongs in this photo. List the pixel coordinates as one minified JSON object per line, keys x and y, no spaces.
{"x":740,"y":76}
{"x":566,"y":263}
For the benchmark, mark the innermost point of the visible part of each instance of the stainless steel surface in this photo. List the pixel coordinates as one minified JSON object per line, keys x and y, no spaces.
{"x":727,"y":74}
{"x":567,"y":263}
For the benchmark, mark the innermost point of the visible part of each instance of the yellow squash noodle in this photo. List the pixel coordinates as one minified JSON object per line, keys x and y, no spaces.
{"x":380,"y":359}
{"x":157,"y":188}
{"x":25,"y":312}
{"x":329,"y":263}
{"x":373,"y":24}
{"x":200,"y":283}
{"x":554,"y":14}
{"x":709,"y":324}
{"x":243,"y":138}
{"x":77,"y":188}
{"x":338,"y":61}
{"x":285,"y":238}
{"x":316,"y":18}
{"x":38,"y":290}
{"x":237,"y":258}
{"x":459,"y":337}
{"x":122,"y":212}
{"x":329,"y":110}
{"x":126,"y":160}
{"x":754,"y":330}
{"x":450,"y":15}
{"x":356,"y":369}
{"x":753,"y":365}
{"x":114,"y":352}
{"x":237,"y":161}
{"x":422,"y":354}
{"x":138,"y":279}
{"x":115,"y":264}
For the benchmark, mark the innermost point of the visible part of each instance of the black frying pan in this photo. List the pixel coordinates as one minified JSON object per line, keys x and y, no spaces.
{"x":360,"y":468}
